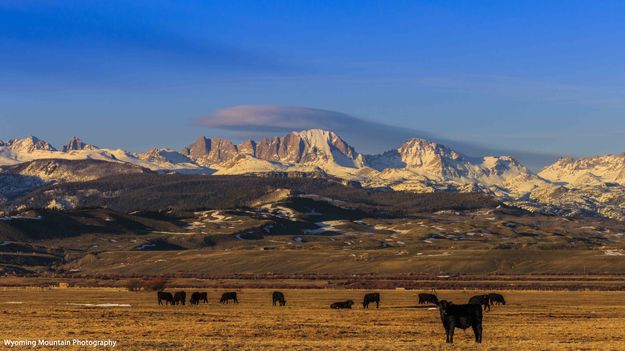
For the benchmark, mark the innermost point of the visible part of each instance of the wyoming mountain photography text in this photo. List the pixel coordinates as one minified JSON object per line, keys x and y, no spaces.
{"x":312,"y":175}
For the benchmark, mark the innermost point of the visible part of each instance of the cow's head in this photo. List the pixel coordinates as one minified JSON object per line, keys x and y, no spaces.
{"x":350,"y":303}
{"x":443,"y":306}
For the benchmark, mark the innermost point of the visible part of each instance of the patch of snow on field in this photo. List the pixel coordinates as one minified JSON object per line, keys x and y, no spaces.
{"x":99,"y":304}
{"x":281,"y":212}
{"x":613,"y":253}
{"x":326,"y":226}
{"x":211,"y":216}
{"x":13,"y":303}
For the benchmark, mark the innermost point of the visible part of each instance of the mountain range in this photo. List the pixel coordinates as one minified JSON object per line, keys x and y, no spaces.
{"x":588,"y":186}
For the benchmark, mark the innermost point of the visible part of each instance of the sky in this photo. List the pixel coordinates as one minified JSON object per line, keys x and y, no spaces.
{"x":528,"y":77}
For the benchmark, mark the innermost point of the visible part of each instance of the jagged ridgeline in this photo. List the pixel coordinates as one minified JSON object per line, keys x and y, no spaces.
{"x":591,"y":187}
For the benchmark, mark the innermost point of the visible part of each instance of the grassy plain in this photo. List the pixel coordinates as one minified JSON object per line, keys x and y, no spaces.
{"x":532,"y":320}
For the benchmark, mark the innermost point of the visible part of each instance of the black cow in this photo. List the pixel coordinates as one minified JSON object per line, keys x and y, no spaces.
{"x":225,"y":297}
{"x":165,"y":296}
{"x":278,"y":297}
{"x":369,"y":298}
{"x":483,"y":300}
{"x":496,"y":299}
{"x":460,"y":316}
{"x":180,"y":297}
{"x":198,"y":297}
{"x":342,"y":304}
{"x":428,"y":298}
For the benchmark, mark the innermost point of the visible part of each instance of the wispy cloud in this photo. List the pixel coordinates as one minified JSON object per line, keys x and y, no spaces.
{"x":367,"y":136}
{"x":370,"y":136}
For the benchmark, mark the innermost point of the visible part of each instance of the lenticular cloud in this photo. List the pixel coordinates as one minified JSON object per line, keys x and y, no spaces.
{"x":278,"y":118}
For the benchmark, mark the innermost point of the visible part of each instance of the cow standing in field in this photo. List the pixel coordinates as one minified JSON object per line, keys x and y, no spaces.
{"x":482,"y":300}
{"x":165,"y":296}
{"x":428,"y":298}
{"x":225,"y":297}
{"x":198,"y":297}
{"x":369,"y":298}
{"x":180,"y":297}
{"x":278,"y":297}
{"x":496,"y":299}
{"x":342,"y":305}
{"x":460,"y":316}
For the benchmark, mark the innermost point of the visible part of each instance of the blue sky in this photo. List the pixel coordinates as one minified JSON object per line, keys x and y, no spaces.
{"x":536,"y":76}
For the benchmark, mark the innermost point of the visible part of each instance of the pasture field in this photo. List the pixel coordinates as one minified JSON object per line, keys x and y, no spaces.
{"x":532,"y":320}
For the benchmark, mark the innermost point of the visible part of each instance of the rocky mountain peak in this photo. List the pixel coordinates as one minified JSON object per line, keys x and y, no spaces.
{"x":75,"y":144}
{"x":309,"y":146}
{"x":30,"y":144}
{"x":207,"y":151}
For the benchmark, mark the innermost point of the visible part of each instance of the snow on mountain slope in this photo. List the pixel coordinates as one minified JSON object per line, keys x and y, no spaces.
{"x":70,"y":170}
{"x":309,"y":146}
{"x":298,"y":151}
{"x":419,"y":164}
{"x":163,"y":159}
{"x":243,"y":164}
{"x":29,"y":144}
{"x":585,"y":186}
{"x":606,"y":168}
{"x":32,"y":148}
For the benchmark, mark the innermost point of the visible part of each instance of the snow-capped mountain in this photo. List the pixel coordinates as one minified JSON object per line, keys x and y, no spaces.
{"x":298,"y":151}
{"x":309,"y":146}
{"x":594,"y":186}
{"x":598,"y":169}
{"x":421,"y":165}
{"x":31,"y":148}
{"x":29,"y":144}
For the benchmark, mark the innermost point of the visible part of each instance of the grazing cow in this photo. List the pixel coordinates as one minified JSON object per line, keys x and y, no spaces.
{"x":369,"y":298}
{"x":225,"y":297}
{"x":460,"y":316}
{"x":482,"y":300}
{"x":342,"y":304}
{"x":496,"y":299}
{"x":428,"y":298}
{"x":198,"y":297}
{"x":165,"y":296}
{"x":278,"y":297}
{"x":180,"y":297}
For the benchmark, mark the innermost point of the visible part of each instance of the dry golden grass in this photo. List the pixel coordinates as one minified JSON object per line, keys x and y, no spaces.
{"x":532,"y":320}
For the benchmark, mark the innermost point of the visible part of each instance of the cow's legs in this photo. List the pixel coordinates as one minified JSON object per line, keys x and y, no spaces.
{"x":377,"y":304}
{"x":477,"y":330}
{"x":450,"y":333}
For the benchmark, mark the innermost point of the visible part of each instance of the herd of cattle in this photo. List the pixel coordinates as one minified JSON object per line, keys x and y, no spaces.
{"x":452,"y":315}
